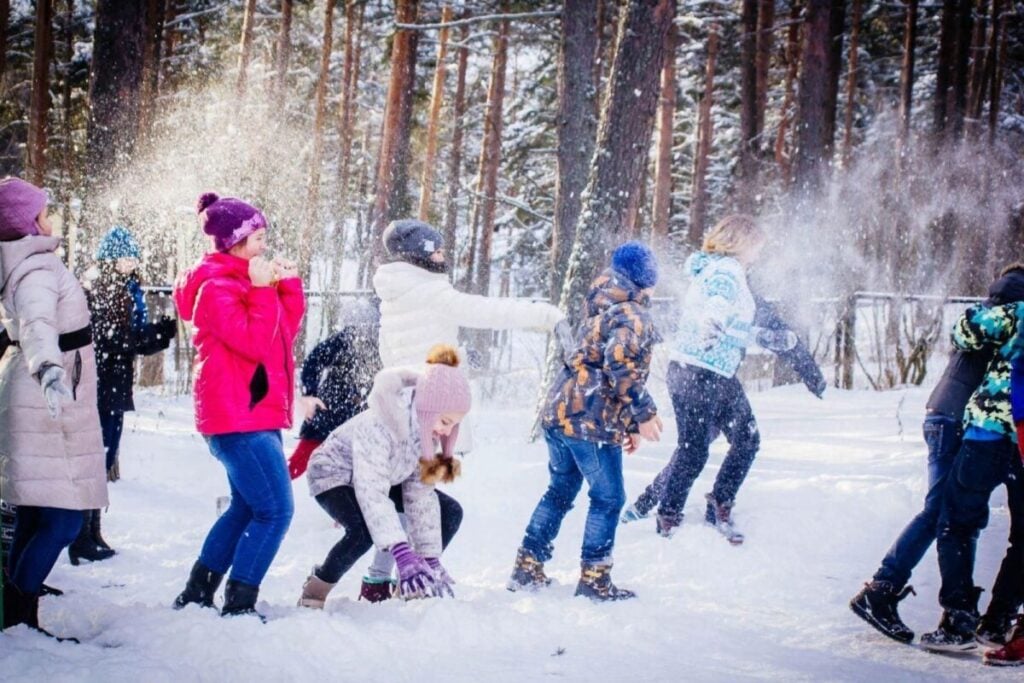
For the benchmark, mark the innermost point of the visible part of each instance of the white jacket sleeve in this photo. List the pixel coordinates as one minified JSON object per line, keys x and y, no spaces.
{"x":423,"y":513}
{"x":496,"y":313}
{"x":720,"y":297}
{"x":371,"y":455}
{"x":35,"y":307}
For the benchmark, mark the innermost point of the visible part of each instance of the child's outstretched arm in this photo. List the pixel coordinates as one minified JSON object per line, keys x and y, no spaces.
{"x":497,"y":313}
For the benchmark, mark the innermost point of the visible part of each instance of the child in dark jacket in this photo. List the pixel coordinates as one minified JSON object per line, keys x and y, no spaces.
{"x":336,"y":379}
{"x":597,"y":405}
{"x":121,"y":330}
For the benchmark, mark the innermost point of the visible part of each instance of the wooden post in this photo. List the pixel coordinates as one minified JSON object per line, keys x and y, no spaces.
{"x":433,"y":122}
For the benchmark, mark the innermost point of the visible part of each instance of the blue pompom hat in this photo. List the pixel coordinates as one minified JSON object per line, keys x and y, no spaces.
{"x":636,"y":261}
{"x":118,"y":243}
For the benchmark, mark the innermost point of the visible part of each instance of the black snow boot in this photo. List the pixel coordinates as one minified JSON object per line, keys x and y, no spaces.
{"x":876,"y":604}
{"x":719,"y":515}
{"x":84,"y":547}
{"x":95,"y":534}
{"x":23,"y":608}
{"x":240,"y":599}
{"x":956,"y":630}
{"x":527,"y":573}
{"x":994,"y":628}
{"x":200,"y":588}
{"x":596,"y":583}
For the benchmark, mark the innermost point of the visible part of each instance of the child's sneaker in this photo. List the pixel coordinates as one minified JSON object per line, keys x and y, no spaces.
{"x":993,"y":629}
{"x":528,"y":573}
{"x":1011,"y":654}
{"x":632,"y":514}
{"x":955,"y":632}
{"x":596,"y":584}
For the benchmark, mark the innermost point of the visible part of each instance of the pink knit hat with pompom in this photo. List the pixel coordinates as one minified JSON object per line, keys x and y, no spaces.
{"x":443,"y":388}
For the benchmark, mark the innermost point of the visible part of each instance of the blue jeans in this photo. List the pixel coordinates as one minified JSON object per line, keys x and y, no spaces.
{"x":570,"y":461}
{"x":40,"y":534}
{"x":247,"y":536}
{"x":942,"y":434}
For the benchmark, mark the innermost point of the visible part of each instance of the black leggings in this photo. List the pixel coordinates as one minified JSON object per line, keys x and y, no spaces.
{"x":341,"y":504}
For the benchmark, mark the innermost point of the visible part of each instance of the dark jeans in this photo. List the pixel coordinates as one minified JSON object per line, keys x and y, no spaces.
{"x":40,"y":534}
{"x":247,"y":536}
{"x":942,"y":434}
{"x":341,"y":504}
{"x":570,"y":461}
{"x":112,"y":424}
{"x":706,"y":403}
{"x":979,"y":467}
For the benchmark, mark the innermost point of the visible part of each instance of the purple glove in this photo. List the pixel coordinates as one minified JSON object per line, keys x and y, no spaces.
{"x":442,"y":580}
{"x":415,"y":577}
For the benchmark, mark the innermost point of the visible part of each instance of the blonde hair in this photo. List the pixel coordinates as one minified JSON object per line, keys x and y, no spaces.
{"x":733,"y":234}
{"x":443,"y":354}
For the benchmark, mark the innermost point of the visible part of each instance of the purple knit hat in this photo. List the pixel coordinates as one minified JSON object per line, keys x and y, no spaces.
{"x":21,"y":203}
{"x":228,"y":220}
{"x":443,"y":388}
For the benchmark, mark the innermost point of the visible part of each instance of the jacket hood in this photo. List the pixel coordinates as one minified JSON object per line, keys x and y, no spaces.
{"x":1008,"y":288}
{"x":392,"y":403}
{"x":213,"y":266}
{"x":700,"y":261}
{"x":14,"y":252}
{"x":394,"y":279}
{"x":611,"y":288}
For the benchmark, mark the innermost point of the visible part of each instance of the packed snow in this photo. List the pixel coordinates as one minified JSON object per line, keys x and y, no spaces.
{"x":834,"y":483}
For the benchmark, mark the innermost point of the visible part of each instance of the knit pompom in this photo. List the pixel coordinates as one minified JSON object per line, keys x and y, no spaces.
{"x":205,"y":200}
{"x":443,"y":354}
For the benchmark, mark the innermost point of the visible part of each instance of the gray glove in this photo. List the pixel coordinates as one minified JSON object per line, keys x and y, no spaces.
{"x":776,"y":340}
{"x":54,"y":387}
{"x":566,"y":340}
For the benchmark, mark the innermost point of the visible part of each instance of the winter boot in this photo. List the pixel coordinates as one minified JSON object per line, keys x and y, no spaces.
{"x":83,"y":547}
{"x":527,"y":573}
{"x":23,"y":608}
{"x":96,"y":536}
{"x":994,"y":628}
{"x":199,"y":589}
{"x":315,"y":591}
{"x":956,"y":630}
{"x":632,"y":514}
{"x":596,"y":583}
{"x":719,"y":515}
{"x":376,"y":590}
{"x":668,"y":523}
{"x":876,"y":604}
{"x":240,"y":599}
{"x":1011,"y":654}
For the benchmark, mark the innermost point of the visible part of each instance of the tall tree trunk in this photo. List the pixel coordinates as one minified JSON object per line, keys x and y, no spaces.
{"x":114,"y":92}
{"x":284,"y":46}
{"x":975,"y":81}
{"x":907,"y":74}
{"x":170,"y":38}
{"x":312,"y":228}
{"x":67,"y":171}
{"x":5,"y":20}
{"x":944,"y":68}
{"x":765,"y":43}
{"x":490,"y":159}
{"x":748,"y":103}
{"x":156,"y":10}
{"x":997,"y":74}
{"x":392,"y":176}
{"x":39,"y":103}
{"x":705,"y":128}
{"x":624,"y":137}
{"x":245,"y":48}
{"x":433,"y":122}
{"x":851,"y":83}
{"x":662,"y":210}
{"x":812,"y":103}
{"x":350,"y":79}
{"x":837,"y":19}
{"x":782,"y":153}
{"x":961,"y":67}
{"x":576,"y":122}
{"x":451,"y":210}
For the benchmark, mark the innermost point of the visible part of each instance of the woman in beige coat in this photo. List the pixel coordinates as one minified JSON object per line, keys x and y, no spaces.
{"x":51,"y":448}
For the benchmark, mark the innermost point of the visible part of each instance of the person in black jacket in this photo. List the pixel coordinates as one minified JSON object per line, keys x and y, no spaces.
{"x":336,"y":379}
{"x":121,"y":330}
{"x":877,"y":602}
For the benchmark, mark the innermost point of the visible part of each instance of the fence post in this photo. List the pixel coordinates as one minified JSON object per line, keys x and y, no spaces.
{"x":847,"y":340}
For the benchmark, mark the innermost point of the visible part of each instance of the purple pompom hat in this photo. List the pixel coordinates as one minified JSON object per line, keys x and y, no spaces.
{"x":228,"y":220}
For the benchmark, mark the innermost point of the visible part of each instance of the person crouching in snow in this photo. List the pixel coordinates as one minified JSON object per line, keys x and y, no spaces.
{"x":419,"y":308}
{"x":714,"y":332}
{"x":597,"y":405}
{"x":121,"y":330}
{"x":384,"y":461}
{"x":246,"y":311}
{"x":336,"y":378}
{"x":51,"y":447}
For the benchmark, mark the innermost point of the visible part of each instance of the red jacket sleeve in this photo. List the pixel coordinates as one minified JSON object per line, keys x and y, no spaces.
{"x":245,"y":321}
{"x":293,"y":300}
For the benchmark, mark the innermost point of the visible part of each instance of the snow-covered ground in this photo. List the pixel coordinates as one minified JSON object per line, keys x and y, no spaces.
{"x":834,"y":483}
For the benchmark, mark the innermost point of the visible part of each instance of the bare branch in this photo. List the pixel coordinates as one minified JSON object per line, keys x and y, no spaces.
{"x":482,"y":17}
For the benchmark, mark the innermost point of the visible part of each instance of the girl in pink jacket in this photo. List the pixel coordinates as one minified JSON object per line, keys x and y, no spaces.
{"x":246,"y":312}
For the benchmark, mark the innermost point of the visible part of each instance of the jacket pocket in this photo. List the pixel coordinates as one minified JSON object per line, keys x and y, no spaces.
{"x":259,"y":386}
